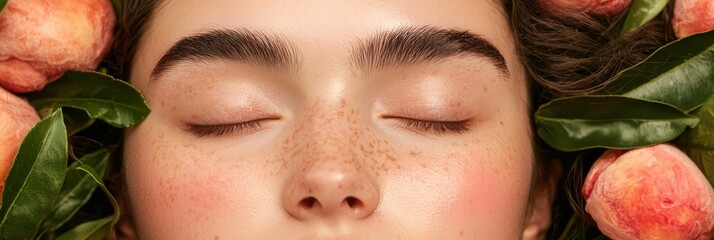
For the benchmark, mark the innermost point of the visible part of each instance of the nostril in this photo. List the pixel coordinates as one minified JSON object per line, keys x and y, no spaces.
{"x":308,"y":202}
{"x":354,"y":203}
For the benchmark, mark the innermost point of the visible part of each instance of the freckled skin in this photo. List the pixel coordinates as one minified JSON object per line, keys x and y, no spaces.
{"x":334,"y":163}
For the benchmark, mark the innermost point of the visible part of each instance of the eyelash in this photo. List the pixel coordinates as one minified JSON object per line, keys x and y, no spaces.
{"x":224,"y":129}
{"x":436,"y":127}
{"x":432,"y":127}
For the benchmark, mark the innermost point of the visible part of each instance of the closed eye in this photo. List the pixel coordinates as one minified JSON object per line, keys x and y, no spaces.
{"x":220,"y":130}
{"x":435,"y":127}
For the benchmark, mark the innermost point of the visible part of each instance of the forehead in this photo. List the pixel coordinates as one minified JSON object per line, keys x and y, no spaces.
{"x":250,"y":11}
{"x":321,"y":26}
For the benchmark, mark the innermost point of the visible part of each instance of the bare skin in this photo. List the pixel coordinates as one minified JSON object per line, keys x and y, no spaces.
{"x":326,"y":143}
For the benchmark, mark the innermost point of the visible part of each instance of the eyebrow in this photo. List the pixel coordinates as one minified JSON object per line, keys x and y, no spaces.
{"x":230,"y":44}
{"x":401,"y":46}
{"x":410,"y":45}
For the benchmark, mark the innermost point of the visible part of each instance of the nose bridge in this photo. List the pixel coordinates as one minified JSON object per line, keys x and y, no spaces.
{"x":331,"y":132}
{"x":329,"y":179}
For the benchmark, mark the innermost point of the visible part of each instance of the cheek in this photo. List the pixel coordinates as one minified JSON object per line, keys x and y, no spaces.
{"x":495,"y":183}
{"x":171,"y":185}
{"x":469,"y":192}
{"x":497,"y":179}
{"x":494,"y":178}
{"x":491,"y":195}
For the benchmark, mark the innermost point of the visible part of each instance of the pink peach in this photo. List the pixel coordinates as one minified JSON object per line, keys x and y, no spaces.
{"x":42,"y":39}
{"x":16,"y":119}
{"x":592,"y":7}
{"x":655,"y":192}
{"x":692,"y":16}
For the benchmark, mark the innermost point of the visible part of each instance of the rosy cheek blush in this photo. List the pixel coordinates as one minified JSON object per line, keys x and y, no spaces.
{"x":494,"y":182}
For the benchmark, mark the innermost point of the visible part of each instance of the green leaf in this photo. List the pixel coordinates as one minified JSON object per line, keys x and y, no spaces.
{"x":576,"y":123}
{"x":94,"y":230}
{"x":35,"y":178}
{"x":679,"y":74}
{"x":698,"y":142}
{"x":77,"y":189}
{"x":102,"y":96}
{"x":76,"y":120}
{"x":641,"y":12}
{"x":115,"y":205}
{"x":2,"y":5}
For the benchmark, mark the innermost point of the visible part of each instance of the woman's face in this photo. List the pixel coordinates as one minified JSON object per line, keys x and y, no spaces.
{"x":330,"y":120}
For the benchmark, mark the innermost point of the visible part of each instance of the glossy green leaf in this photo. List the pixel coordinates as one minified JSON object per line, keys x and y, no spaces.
{"x":698,"y":142}
{"x":94,"y":230}
{"x":576,"y":123}
{"x":2,"y":5}
{"x":102,"y":96}
{"x":641,"y":12}
{"x":35,"y":179}
{"x":77,"y":189}
{"x":115,"y":205}
{"x":76,"y":120}
{"x":680,"y":74}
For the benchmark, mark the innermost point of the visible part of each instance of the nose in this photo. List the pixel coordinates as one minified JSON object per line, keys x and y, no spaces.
{"x":330,"y":189}
{"x":330,"y":177}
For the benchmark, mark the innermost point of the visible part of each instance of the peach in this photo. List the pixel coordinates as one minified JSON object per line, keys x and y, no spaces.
{"x":692,"y":16}
{"x":591,"y":7}
{"x":42,"y":39}
{"x":16,"y":119}
{"x":654,"y":192}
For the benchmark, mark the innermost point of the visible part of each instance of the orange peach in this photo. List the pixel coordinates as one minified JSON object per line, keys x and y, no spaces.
{"x":692,"y":16}
{"x":592,"y":7}
{"x":654,"y":192}
{"x":16,"y":119}
{"x":43,"y":39}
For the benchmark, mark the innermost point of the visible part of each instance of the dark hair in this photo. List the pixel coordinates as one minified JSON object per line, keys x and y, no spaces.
{"x":568,"y":54}
{"x":134,"y":19}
